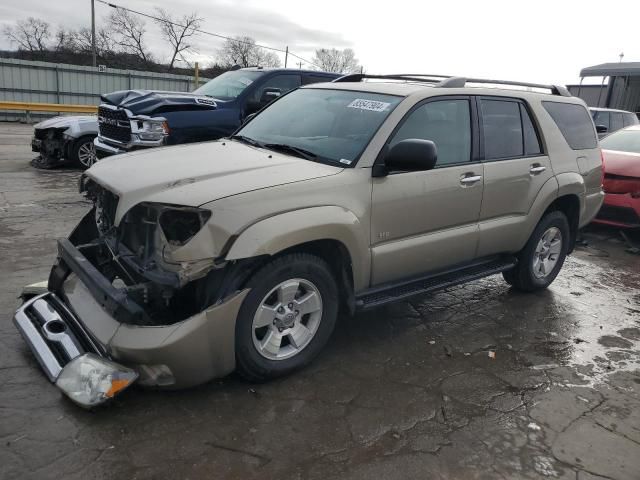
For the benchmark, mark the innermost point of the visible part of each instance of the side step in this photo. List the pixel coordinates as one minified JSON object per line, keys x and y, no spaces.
{"x":392,"y":292}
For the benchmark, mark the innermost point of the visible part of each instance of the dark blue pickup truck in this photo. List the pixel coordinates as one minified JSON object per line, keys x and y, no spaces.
{"x":133,"y":119}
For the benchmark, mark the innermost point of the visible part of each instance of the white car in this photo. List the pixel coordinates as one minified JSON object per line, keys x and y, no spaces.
{"x":65,"y":139}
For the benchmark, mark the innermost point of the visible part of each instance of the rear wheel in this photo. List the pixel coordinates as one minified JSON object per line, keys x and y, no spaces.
{"x":543,"y":256}
{"x":84,"y":152}
{"x":287,"y":317}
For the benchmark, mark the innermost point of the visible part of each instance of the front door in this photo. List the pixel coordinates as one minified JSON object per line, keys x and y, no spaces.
{"x":427,"y":221}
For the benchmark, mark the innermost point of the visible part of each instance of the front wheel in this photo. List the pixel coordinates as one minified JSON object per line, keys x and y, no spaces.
{"x":84,"y":152}
{"x":287,"y":317}
{"x":543,"y":256}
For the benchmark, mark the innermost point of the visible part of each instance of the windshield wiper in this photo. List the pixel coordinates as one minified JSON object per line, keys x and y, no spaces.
{"x":300,"y":152}
{"x":247,"y":140}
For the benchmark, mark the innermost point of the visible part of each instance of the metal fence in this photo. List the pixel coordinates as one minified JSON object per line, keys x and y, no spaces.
{"x":27,"y":81}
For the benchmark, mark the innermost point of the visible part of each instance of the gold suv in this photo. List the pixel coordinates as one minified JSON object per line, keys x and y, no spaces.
{"x":236,"y":254}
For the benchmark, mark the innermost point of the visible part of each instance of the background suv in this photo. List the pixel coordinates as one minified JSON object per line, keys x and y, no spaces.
{"x":608,"y":120}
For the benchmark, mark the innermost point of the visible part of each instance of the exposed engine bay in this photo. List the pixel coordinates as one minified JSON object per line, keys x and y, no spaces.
{"x":135,"y":257}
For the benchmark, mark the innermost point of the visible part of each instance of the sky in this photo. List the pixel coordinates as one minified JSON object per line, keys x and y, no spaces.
{"x":543,"y":41}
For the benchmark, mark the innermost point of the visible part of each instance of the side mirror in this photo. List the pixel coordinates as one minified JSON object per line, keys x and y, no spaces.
{"x":269,"y":95}
{"x":411,"y":155}
{"x":601,"y":129}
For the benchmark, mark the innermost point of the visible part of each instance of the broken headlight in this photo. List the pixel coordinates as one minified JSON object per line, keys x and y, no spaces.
{"x":150,"y":128}
{"x":180,"y":224}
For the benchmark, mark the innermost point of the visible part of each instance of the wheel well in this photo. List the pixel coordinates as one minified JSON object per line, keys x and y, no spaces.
{"x":570,"y":206}
{"x":336,"y":254}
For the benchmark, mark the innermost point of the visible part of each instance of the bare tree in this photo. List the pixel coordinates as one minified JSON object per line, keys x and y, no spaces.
{"x":178,"y":31}
{"x":130,"y":33}
{"x":337,"y":61}
{"x":64,"y":40}
{"x":244,"y":52}
{"x":31,"y":34}
{"x":80,"y":41}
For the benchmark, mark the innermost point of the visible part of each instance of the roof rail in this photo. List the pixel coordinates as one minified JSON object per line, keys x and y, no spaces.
{"x":445,"y":81}
{"x":459,"y":82}
{"x":418,"y":77}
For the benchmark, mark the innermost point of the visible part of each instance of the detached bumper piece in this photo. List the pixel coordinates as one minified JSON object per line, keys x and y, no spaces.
{"x":67,"y":354}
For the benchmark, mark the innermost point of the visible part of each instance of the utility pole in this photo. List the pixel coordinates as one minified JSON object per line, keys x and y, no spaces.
{"x":299,"y":65}
{"x":286,"y":56}
{"x":93,"y":31}
{"x":621,"y":57}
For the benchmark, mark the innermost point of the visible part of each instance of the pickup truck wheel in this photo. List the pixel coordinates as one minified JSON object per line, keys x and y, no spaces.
{"x":84,"y":152}
{"x":543,"y":256}
{"x":287,"y":317}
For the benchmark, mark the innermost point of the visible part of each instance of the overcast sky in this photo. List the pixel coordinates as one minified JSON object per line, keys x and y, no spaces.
{"x":539,"y":41}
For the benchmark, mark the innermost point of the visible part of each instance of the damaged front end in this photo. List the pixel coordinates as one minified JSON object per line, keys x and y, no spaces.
{"x":118,"y":292}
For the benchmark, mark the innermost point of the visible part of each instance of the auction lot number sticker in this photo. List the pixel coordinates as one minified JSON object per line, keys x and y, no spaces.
{"x":372,"y":105}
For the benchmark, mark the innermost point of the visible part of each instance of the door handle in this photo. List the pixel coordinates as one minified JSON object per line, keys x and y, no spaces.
{"x":469,"y":179}
{"x":536,"y":169}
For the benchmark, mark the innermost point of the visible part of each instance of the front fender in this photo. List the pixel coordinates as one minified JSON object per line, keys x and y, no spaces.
{"x":275,"y":234}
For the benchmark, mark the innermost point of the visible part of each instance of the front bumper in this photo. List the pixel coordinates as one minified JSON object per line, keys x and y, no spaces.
{"x":83,"y":314}
{"x":619,"y":210}
{"x":112,"y":147}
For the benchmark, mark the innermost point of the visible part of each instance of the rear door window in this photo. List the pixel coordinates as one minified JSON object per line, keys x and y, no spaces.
{"x":502,"y":129}
{"x":574,"y":122}
{"x":616,"y":121}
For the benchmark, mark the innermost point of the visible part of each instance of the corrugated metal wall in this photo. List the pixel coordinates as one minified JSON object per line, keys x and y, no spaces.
{"x":43,"y":82}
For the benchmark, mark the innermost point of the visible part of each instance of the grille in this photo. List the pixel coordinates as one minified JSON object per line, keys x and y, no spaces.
{"x":615,"y":213}
{"x":114,"y":124}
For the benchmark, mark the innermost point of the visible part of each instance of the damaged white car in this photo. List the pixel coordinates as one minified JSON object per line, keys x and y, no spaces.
{"x":65,"y":140}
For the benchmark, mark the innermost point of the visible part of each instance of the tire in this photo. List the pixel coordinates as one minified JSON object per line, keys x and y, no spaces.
{"x":271,"y":288}
{"x":529,"y":275}
{"x":79,"y":154}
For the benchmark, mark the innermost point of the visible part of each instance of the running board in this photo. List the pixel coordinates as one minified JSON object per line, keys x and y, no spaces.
{"x":392,"y":292}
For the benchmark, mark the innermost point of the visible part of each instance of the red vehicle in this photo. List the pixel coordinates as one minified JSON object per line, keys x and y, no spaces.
{"x":621,"y":154}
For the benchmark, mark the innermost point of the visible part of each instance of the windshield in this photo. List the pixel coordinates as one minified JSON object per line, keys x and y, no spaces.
{"x":229,"y":85}
{"x":333,"y":126}
{"x":622,"y":141}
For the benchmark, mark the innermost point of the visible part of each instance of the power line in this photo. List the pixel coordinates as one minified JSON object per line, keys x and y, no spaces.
{"x":158,"y":19}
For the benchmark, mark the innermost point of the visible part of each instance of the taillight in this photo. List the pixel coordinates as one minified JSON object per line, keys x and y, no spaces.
{"x":603,"y":168}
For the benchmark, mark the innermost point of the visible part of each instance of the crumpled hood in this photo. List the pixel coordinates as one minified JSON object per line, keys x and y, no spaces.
{"x":147,"y":102}
{"x":199,"y":173}
{"x":65,"y":121}
{"x":622,"y":172}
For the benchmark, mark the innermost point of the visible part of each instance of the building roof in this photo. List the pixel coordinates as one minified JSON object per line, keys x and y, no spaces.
{"x":619,"y":69}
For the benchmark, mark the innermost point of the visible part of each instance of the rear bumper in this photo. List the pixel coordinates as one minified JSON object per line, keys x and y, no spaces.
{"x":83,"y":313}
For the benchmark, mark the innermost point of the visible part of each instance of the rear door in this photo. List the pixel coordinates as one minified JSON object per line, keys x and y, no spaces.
{"x":515,"y":169}
{"x":427,"y":221}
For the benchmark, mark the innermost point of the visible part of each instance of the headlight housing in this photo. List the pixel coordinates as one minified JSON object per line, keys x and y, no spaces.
{"x":180,"y":224}
{"x":150,"y":128}
{"x":90,"y":380}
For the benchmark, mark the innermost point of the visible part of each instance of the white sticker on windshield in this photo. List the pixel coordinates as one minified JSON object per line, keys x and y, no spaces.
{"x":373,"y":105}
{"x":345,"y":161}
{"x":245,"y":81}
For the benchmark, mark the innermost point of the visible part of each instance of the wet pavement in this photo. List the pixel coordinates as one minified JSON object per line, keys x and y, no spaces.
{"x":478,"y":381}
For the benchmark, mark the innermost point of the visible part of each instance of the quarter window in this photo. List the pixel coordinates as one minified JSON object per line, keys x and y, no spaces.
{"x":447,"y":123}
{"x":574,"y":122}
{"x":629,"y":119}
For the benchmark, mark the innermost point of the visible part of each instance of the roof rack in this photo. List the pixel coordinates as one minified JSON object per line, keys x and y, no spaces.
{"x":444,"y":81}
{"x":418,"y":77}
